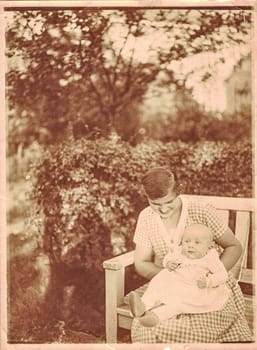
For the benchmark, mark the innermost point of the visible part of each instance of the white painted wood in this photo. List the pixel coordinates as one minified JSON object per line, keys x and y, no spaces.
{"x":242,"y":234}
{"x":125,"y":322}
{"x":230,"y":203}
{"x":120,"y":261}
{"x":114,"y":295}
{"x":247,"y":276}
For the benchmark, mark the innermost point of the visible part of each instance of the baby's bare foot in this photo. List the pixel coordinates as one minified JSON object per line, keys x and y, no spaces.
{"x":137,"y":307}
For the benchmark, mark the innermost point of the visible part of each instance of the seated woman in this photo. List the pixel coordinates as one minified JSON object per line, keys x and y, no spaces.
{"x":162,"y":224}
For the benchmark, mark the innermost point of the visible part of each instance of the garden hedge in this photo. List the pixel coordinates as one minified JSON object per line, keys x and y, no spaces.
{"x":90,"y":193}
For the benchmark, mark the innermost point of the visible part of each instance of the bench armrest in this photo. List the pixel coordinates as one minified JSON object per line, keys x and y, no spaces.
{"x":114,"y":290}
{"x":118,"y":262}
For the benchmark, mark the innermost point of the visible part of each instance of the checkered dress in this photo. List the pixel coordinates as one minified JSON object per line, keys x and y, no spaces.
{"x":226,"y":325}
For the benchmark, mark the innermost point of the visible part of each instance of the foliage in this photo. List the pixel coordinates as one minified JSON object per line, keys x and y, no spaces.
{"x":85,"y":67}
{"x":89,"y":194}
{"x":69,"y":75}
{"x":190,"y":123}
{"x":90,"y":191}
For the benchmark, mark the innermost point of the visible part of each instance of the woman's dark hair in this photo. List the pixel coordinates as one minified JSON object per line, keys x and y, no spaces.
{"x":158,"y":181}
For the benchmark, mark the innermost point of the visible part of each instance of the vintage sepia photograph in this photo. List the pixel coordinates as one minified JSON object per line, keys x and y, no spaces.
{"x":129,"y":152}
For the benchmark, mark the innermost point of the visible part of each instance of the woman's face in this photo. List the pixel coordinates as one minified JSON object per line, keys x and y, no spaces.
{"x":165,"y":206}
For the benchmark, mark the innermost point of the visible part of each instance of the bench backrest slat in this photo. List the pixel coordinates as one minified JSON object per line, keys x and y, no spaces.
{"x":242,"y":234}
{"x":247,"y":276}
{"x":229,"y":203}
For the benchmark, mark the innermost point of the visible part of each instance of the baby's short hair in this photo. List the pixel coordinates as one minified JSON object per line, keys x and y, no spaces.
{"x":199,"y":226}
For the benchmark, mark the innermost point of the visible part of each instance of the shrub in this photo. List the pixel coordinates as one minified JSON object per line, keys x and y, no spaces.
{"x":90,"y":193}
{"x":193,"y":125}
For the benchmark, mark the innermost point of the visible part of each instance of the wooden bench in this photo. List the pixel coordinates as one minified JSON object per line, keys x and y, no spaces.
{"x":238,"y":212}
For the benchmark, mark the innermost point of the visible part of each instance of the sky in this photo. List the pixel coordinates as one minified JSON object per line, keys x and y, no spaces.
{"x":211,"y":93}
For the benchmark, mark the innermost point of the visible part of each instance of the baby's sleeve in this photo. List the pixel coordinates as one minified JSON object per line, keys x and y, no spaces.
{"x":141,"y":236}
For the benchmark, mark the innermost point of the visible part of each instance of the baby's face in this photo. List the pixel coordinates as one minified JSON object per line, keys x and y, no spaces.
{"x":196,"y":242}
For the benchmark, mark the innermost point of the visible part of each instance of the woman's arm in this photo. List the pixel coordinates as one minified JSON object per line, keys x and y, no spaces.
{"x":144,"y":262}
{"x":232,"y":249}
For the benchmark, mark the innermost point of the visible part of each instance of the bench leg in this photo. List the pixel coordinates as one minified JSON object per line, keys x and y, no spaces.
{"x":114,"y":294}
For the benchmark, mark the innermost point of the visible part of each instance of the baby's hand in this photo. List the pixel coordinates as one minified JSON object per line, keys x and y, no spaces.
{"x":172,"y":265}
{"x":202,"y":282}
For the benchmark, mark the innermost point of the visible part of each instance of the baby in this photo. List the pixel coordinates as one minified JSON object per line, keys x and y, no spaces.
{"x":193,"y":281}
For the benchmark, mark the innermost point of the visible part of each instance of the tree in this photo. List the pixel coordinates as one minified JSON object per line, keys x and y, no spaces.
{"x":81,"y":71}
{"x":83,"y":67}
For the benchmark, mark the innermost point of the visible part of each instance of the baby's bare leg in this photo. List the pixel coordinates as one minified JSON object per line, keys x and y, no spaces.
{"x":137,"y":307}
